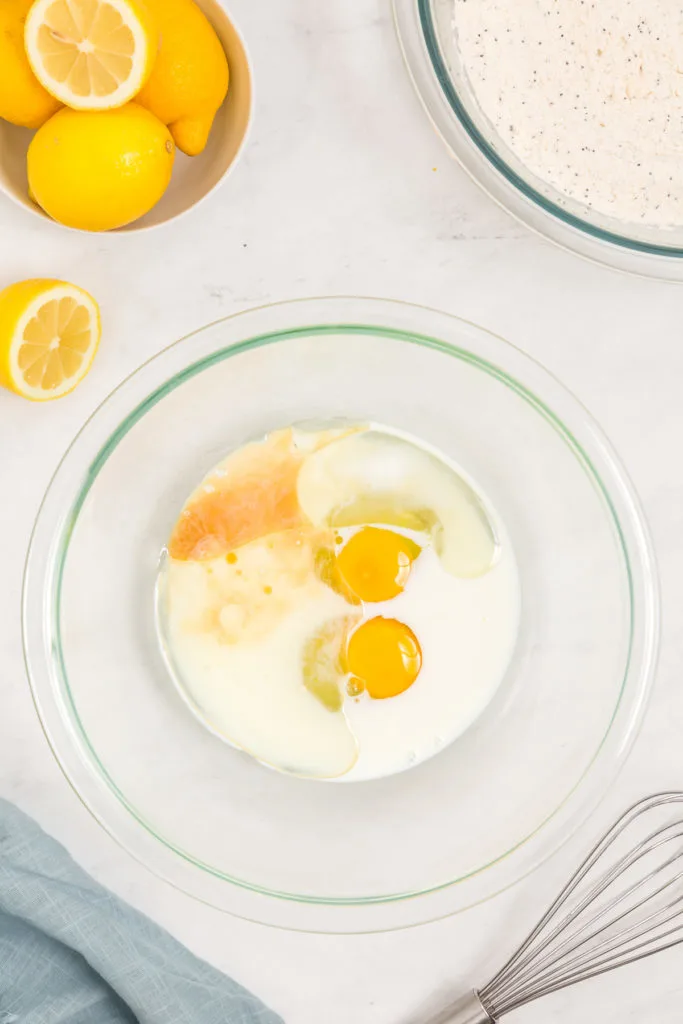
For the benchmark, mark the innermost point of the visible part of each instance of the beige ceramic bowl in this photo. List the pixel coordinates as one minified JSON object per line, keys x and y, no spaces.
{"x":194,"y":178}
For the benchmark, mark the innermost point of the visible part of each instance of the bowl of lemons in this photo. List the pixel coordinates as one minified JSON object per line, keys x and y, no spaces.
{"x":119,"y":115}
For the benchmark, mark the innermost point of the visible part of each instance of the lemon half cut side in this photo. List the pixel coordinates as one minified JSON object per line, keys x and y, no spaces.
{"x":49,"y":333}
{"x":91,"y":54}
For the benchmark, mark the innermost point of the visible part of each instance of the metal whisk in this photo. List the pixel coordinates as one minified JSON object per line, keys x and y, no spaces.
{"x":623,"y":904}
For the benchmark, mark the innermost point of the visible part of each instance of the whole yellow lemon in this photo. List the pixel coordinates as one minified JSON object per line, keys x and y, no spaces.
{"x":23,"y":100}
{"x":190,"y":77}
{"x":100,"y":169}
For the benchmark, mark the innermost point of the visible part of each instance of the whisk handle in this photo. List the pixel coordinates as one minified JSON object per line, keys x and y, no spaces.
{"x":468,"y":1010}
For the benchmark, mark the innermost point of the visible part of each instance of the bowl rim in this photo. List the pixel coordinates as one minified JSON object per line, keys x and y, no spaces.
{"x":427,"y":69}
{"x":41,"y":603}
{"x":134,"y":228}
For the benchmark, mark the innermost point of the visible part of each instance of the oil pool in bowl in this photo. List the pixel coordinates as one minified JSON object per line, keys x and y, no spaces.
{"x":340,"y":603}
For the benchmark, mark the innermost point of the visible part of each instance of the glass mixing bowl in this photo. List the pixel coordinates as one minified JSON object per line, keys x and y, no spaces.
{"x":316,"y":855}
{"x":425,"y":30}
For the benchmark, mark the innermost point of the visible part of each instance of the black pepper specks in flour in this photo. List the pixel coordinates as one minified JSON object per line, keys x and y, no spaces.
{"x":588,"y":96}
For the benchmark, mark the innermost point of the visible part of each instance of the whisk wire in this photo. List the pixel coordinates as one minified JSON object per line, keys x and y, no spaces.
{"x":518,"y":957}
{"x":518,"y":961}
{"x":606,"y":916}
{"x":594,"y":972}
{"x":588,"y":968}
{"x":525,"y":957}
{"x":559,"y":959}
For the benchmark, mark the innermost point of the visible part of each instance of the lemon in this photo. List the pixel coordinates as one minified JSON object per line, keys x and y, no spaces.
{"x":190,"y":78}
{"x":98,"y":170}
{"x":91,"y":54}
{"x":23,"y":100}
{"x":49,"y":333}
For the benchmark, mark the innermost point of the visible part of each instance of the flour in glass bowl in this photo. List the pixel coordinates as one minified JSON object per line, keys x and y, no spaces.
{"x":588,"y":95}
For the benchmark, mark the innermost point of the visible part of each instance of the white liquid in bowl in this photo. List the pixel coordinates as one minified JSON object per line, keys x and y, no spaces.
{"x":237,"y":626}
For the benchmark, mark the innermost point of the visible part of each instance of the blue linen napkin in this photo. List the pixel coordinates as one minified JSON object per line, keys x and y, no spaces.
{"x":72,"y":953}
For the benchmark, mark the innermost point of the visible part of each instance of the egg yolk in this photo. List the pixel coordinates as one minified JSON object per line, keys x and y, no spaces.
{"x":376,"y":563}
{"x":385,"y":655}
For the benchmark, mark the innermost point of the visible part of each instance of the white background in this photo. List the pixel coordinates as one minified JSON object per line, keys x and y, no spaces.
{"x":345,"y":189}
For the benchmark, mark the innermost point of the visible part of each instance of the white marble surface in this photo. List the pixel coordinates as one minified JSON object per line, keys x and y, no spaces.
{"x":346,"y":190}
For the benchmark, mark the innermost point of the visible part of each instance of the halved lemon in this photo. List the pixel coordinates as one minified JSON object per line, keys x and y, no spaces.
{"x":49,"y":333}
{"x":91,"y":54}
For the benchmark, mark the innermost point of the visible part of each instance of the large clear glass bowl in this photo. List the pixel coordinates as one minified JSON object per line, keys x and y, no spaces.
{"x":429,"y":45}
{"x":368,"y":855}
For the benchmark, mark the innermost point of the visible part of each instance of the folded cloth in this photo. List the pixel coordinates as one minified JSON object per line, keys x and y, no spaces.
{"x":72,"y":953}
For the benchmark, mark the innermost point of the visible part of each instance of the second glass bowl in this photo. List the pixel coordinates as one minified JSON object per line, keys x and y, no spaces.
{"x":429,"y":44}
{"x":368,"y":855}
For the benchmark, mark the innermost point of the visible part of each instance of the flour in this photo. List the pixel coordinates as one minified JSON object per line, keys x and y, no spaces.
{"x":588,"y":94}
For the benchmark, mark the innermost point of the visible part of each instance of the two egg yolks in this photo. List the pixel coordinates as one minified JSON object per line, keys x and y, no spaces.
{"x":383,"y":654}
